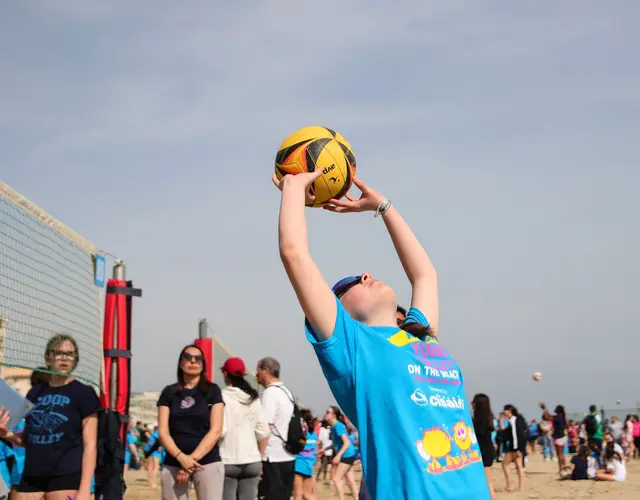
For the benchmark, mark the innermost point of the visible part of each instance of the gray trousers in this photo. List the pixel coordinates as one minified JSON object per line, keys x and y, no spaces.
{"x":208,"y":483}
{"x":241,"y":481}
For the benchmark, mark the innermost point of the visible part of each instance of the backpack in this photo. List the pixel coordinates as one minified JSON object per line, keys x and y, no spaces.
{"x":591,"y":425}
{"x":296,"y":435}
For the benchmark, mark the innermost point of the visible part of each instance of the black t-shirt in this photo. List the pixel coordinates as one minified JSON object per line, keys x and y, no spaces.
{"x":559,"y":424}
{"x":580,"y":468}
{"x":53,"y":429}
{"x":190,"y":419}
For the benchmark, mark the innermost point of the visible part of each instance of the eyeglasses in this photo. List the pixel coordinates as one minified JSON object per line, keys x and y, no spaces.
{"x":57,"y":353}
{"x":345,"y":284}
{"x":198,"y":358}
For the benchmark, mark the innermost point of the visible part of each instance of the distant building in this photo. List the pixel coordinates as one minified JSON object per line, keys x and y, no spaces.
{"x":142,"y":407}
{"x":18,"y":378}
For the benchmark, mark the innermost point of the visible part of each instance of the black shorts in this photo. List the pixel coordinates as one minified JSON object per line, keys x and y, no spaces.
{"x":304,"y":476}
{"x":348,"y":461}
{"x":45,"y":484}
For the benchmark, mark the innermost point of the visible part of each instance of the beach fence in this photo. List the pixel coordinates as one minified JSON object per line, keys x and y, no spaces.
{"x":51,"y":281}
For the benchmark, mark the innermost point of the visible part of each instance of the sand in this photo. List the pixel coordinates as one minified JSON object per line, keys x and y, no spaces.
{"x":540,"y":483}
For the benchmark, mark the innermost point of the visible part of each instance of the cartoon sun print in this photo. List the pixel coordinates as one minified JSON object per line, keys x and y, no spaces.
{"x":462,"y":439}
{"x":474,"y":453}
{"x":436,"y":443}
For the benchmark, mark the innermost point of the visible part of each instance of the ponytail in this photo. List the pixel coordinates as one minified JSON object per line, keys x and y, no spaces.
{"x":242,"y":384}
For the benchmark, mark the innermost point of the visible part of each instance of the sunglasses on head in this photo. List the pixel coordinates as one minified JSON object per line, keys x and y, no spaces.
{"x":198,"y":358}
{"x":345,"y":284}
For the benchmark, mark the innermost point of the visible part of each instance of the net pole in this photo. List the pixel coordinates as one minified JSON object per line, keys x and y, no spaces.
{"x":119,"y":273}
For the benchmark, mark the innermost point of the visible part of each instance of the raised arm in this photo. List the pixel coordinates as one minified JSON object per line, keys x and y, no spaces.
{"x":314,"y":294}
{"x":417,"y":266}
{"x":414,"y":259}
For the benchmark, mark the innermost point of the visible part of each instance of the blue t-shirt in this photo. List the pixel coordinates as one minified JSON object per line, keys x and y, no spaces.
{"x":6,"y":452}
{"x":131,"y":440}
{"x":406,"y":397}
{"x":337,"y":431}
{"x":306,"y":459}
{"x":19,"y":456}
{"x":152,"y":440}
{"x":533,"y":430}
{"x":53,"y":430}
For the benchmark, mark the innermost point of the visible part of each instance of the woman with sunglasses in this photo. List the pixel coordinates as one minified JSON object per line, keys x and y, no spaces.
{"x":421,"y":407}
{"x":60,"y":433}
{"x":190,"y":418}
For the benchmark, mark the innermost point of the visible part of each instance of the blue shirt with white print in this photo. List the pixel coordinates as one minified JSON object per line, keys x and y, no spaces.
{"x":406,"y":398}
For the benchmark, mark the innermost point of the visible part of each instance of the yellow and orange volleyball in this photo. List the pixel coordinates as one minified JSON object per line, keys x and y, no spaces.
{"x":312,"y":148}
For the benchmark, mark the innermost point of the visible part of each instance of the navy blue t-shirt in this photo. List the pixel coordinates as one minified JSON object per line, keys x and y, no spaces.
{"x":53,"y":430}
{"x":190,"y":419}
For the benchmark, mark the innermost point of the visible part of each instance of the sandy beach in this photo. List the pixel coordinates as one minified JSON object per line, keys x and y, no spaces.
{"x":540,"y":484}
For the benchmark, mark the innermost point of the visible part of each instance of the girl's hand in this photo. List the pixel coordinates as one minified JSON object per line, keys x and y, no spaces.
{"x":188,"y":463}
{"x":369,"y":200}
{"x":335,"y":461}
{"x":4,"y":421}
{"x":299,"y":181}
{"x":182,"y":477}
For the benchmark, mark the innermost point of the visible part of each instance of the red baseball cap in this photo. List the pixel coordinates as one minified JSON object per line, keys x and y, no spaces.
{"x":235,"y":366}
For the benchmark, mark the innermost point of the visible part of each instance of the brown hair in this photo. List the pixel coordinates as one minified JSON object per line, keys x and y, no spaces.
{"x":417,"y":329}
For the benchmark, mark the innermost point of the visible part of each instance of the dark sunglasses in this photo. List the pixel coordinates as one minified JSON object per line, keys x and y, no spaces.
{"x":198,"y":358}
{"x":345,"y":284}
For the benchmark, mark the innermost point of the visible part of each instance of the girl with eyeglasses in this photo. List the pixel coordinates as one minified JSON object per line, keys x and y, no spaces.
{"x":60,"y":433}
{"x":190,"y":419}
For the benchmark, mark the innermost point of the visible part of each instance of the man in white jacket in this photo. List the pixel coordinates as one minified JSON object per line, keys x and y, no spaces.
{"x":277,"y":462}
{"x":245,"y":434}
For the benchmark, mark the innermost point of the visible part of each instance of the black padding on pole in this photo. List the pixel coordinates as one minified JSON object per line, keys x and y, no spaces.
{"x":124,"y":290}
{"x":117,"y":353}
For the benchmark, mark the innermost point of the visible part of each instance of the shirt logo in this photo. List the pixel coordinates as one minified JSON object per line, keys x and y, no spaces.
{"x":187,"y":403}
{"x":419,"y":398}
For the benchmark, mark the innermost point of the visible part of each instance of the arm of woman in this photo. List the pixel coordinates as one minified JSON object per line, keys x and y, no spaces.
{"x":211,"y":438}
{"x":314,"y":294}
{"x":345,"y":446}
{"x":262,"y":430}
{"x":414,"y":259}
{"x":89,"y":453}
{"x":163,"y":431}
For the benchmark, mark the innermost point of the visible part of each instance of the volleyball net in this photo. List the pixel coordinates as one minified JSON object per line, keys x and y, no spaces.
{"x":51,"y":282}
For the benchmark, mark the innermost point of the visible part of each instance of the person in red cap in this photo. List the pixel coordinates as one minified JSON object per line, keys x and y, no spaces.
{"x":243,"y":442}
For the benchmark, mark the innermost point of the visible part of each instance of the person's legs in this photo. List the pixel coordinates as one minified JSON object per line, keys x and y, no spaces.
{"x":298,"y":493}
{"x":153,"y":464}
{"x":560,"y":455}
{"x":309,"y":488}
{"x":248,"y":483}
{"x":506,"y":461}
{"x":488,"y":472}
{"x":520,"y":469}
{"x":209,"y":481}
{"x":171,"y":490}
{"x":602,"y":475}
{"x":277,"y":480}
{"x":230,"y":488}
{"x":351,"y":482}
{"x":340,"y":471}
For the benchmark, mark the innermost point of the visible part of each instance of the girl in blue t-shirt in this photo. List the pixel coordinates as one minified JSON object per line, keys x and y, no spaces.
{"x":345,"y":455}
{"x":304,"y":483}
{"x":60,"y":436}
{"x":154,"y":458}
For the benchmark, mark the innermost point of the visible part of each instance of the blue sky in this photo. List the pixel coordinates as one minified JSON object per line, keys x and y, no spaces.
{"x":505,"y":132}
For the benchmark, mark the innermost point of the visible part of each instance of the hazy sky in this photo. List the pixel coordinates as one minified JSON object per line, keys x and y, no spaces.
{"x":505,"y":132}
